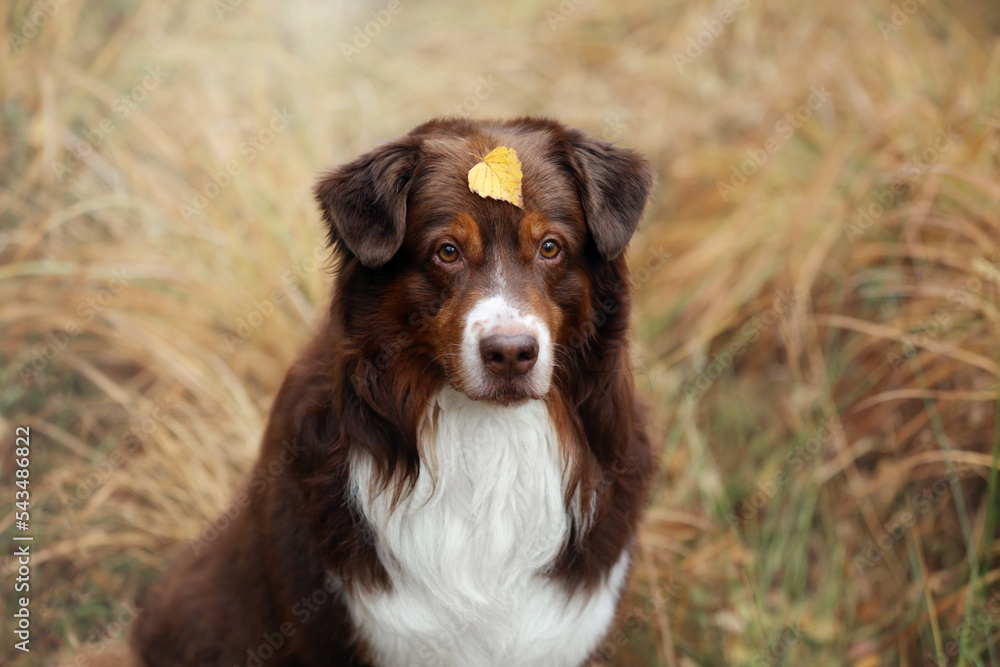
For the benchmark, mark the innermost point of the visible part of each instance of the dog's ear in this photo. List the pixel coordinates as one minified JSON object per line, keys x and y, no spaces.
{"x":614,"y":186}
{"x":364,"y":202}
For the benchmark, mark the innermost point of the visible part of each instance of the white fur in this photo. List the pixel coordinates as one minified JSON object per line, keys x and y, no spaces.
{"x":467,"y":550}
{"x":496,"y":313}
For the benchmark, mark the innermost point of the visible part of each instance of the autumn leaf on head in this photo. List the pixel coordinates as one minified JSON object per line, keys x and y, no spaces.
{"x":498,"y":175}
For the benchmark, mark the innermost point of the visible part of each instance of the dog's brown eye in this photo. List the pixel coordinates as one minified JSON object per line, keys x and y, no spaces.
{"x":447,"y":253}
{"x":549,"y":249}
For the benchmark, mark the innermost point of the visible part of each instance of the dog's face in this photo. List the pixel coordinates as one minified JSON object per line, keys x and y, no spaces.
{"x":489,"y":292}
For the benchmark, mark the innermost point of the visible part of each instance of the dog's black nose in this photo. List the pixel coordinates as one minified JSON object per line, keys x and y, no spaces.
{"x":508,"y":356}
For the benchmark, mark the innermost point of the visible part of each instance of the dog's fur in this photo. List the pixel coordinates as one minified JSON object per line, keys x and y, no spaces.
{"x":429,"y":511}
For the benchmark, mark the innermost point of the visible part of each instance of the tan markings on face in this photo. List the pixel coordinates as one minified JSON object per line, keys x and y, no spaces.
{"x":447,"y":327}
{"x":466,"y":232}
{"x":447,"y":324}
{"x":534,"y":228}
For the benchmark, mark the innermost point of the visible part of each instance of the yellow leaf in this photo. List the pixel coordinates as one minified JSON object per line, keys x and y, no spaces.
{"x":498,"y":175}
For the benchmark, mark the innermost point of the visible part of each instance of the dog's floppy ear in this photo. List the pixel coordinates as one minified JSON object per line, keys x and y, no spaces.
{"x":614,"y":186}
{"x":364,"y":202}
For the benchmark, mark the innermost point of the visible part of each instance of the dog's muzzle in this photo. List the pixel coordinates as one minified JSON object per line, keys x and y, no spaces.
{"x":506,"y":353}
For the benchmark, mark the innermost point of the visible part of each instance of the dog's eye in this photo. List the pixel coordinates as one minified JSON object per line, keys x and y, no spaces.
{"x":549,"y":249}
{"x":447,"y":253}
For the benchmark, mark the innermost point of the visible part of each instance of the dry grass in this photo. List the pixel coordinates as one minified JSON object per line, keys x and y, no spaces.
{"x":879,"y":363}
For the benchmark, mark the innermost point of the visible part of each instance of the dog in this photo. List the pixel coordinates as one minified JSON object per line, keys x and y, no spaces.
{"x":462,"y":461}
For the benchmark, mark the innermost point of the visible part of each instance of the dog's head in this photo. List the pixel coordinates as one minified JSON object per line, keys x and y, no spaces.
{"x":488,"y":293}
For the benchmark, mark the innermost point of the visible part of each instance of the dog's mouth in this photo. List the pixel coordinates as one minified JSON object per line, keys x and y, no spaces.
{"x":500,"y":391}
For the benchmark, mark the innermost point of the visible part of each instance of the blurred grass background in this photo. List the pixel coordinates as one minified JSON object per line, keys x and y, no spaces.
{"x":817,"y":324}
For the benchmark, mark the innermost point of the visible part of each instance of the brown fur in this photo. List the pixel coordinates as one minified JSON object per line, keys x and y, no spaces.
{"x":385,"y":347}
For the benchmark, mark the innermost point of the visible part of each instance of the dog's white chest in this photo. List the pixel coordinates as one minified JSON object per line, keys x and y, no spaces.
{"x":467,"y":549}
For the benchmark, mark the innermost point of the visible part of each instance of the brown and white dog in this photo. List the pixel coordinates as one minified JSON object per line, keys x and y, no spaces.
{"x":463,"y":463}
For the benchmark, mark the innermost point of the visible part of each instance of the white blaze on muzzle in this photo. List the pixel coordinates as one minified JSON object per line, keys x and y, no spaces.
{"x":495,"y":328}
